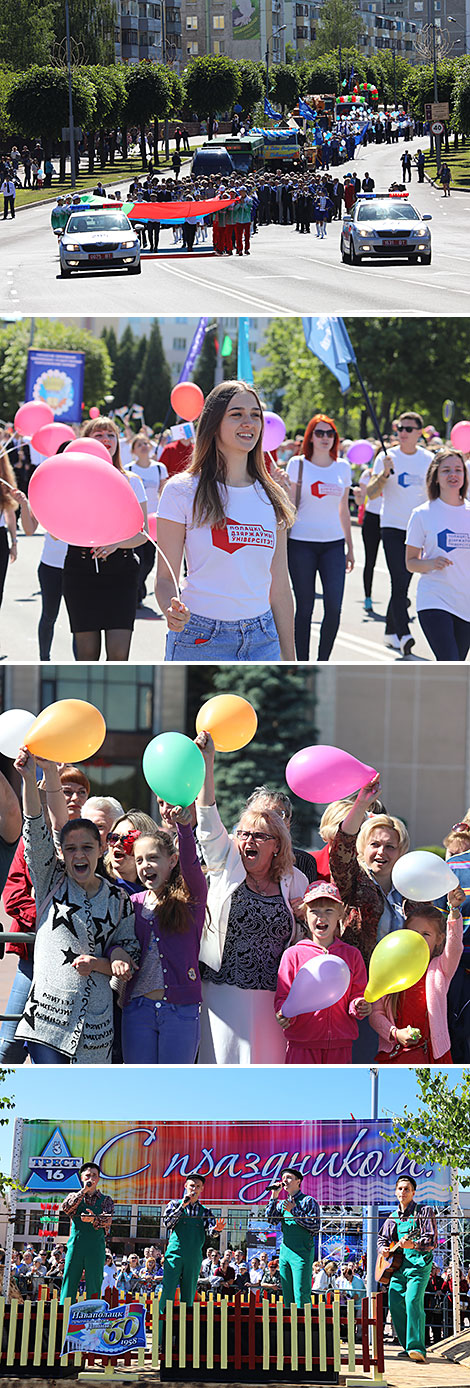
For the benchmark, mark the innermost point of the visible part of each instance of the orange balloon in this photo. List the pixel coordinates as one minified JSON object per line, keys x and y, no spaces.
{"x":69,"y":731}
{"x":230,"y":720}
{"x":187,"y":399}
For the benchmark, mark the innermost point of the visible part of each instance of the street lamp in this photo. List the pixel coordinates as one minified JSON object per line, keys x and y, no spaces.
{"x":69,"y":72}
{"x":274,"y":35}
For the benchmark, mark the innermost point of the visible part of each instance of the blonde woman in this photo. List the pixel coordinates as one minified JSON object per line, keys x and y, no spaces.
{"x":363,"y":854}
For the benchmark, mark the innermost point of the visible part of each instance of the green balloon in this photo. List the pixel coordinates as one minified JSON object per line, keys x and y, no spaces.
{"x":174,"y":768}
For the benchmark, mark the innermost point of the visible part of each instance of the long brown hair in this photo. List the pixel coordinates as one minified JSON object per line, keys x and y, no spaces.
{"x":174,"y":897}
{"x":6,"y":475}
{"x":208,"y":463}
{"x":103,"y":422}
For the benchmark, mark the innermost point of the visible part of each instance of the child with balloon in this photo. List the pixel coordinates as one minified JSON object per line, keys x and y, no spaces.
{"x":162,"y":1002}
{"x":412,"y":1024}
{"x":321,"y":1023}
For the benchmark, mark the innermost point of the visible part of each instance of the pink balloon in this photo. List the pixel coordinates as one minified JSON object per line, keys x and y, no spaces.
{"x":94,"y":412}
{"x":152,"y":526}
{"x":460,"y":435}
{"x":32,"y":415}
{"x":361,"y":453}
{"x":49,"y":438}
{"x":320,"y":983}
{"x":274,"y":431}
{"x":82,"y":500}
{"x":95,"y":447}
{"x":321,"y":774}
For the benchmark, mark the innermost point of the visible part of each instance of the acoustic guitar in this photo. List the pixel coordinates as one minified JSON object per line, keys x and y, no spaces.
{"x":389,"y":1260}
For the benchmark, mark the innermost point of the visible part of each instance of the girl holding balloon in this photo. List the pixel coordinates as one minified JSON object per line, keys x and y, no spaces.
{"x":230,"y":519}
{"x":100,"y":584}
{"x":412,"y":1024}
{"x":438,"y":549}
{"x":321,"y":527}
{"x":324,"y":1035}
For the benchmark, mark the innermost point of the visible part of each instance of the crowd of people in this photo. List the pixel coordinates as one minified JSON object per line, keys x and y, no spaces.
{"x":254,"y":530}
{"x":180,"y":942}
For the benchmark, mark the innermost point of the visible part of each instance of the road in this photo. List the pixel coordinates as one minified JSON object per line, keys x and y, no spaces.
{"x":360,"y":640}
{"x":283,"y":275}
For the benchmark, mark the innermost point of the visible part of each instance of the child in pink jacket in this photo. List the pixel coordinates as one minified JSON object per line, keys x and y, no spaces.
{"x":324,"y":1037}
{"x":412,"y":1025}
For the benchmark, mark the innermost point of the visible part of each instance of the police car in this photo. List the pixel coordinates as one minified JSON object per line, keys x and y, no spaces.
{"x":382,"y":225}
{"x":99,"y":239}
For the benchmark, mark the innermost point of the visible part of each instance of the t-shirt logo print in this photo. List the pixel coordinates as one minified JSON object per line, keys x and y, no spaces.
{"x":239,"y":534}
{"x":450,"y":539}
{"x":320,"y":489}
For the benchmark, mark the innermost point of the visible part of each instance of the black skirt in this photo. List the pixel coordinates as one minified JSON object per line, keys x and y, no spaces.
{"x":105,"y":600}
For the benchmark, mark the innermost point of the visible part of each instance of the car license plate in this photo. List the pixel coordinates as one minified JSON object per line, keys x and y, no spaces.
{"x":105,"y":255}
{"x":395,"y":242}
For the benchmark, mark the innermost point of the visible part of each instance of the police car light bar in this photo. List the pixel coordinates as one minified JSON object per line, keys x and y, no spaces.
{"x":369,"y":197}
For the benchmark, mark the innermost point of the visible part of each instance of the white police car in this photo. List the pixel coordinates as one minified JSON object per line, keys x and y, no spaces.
{"x":99,"y":239}
{"x":385,"y":225}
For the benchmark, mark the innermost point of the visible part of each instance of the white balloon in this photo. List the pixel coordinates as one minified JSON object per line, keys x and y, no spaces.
{"x":15,"y":723}
{"x":319,"y":983}
{"x":423,"y":876}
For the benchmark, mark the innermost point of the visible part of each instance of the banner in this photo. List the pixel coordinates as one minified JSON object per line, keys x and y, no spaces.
{"x":327,"y":339}
{"x":147,"y":1163}
{"x":246,"y":19}
{"x":57,"y":379}
{"x":93,"y":1328}
{"x":244,"y":367}
{"x":194,"y":350}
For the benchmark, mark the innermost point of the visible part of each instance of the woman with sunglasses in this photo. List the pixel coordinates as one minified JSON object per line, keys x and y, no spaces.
{"x":152,"y":475}
{"x":321,"y":483}
{"x":119,"y":860}
{"x":253,"y":886}
{"x":230,"y":519}
{"x":399,"y":478}
{"x":100,"y":584}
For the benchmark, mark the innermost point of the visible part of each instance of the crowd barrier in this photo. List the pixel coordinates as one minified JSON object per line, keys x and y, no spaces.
{"x":239,"y":1339}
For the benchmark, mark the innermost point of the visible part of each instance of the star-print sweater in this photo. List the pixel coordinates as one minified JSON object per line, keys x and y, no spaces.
{"x":64,"y":1009}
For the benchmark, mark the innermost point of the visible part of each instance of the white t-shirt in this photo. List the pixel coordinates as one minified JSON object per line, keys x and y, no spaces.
{"x":373,"y":507}
{"x":53,"y":552}
{"x":322,"y":488}
{"x":438,"y":528}
{"x":151,"y":478}
{"x":229,"y":569}
{"x":405,"y":488}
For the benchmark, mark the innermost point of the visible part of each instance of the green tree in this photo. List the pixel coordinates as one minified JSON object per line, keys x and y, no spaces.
{"x":284,"y":85}
{"x":6,"y":82}
{"x":439,"y":1129}
{"x":212,"y":86}
{"x":252,"y":86}
{"x":38,"y":101}
{"x":322,"y":75}
{"x":148,"y":97}
{"x":152,"y":385}
{"x":26,"y":33}
{"x":51,"y":333}
{"x":110,"y":94}
{"x":338,"y":24}
{"x":461,"y":113}
{"x":5,"y":1103}
{"x":125,"y":367}
{"x":91,"y":26}
{"x":204,"y":372}
{"x":285,"y":704}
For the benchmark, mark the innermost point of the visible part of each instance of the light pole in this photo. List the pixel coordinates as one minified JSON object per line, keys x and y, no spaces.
{"x":274,"y":35}
{"x":372,"y":1210}
{"x":69,"y":72}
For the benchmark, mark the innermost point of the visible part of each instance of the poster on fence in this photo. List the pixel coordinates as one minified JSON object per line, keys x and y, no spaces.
{"x":93,"y":1328}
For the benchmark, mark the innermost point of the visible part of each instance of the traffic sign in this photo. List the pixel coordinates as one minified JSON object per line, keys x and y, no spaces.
{"x":440,"y":110}
{"x":437,"y":127}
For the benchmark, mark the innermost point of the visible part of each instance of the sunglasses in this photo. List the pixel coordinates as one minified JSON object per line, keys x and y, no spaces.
{"x":463,"y":825}
{"x":408,"y":428}
{"x":126,"y":841}
{"x":324,"y":433}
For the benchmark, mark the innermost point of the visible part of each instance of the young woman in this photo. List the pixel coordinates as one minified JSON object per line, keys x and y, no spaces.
{"x":85,"y":934}
{"x":152,"y":475}
{"x":230,"y":519}
{"x":438,"y":549}
{"x":105,"y":600}
{"x":321,"y":526}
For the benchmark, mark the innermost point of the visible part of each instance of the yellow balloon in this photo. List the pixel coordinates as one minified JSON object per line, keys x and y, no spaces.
{"x":398,"y":961}
{"x":230,"y":720}
{"x":69,"y":731}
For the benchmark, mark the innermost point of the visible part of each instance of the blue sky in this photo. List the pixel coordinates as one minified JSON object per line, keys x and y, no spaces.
{"x":195,"y":1093}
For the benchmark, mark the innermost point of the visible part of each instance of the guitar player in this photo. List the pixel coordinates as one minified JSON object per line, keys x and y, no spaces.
{"x":411,"y":1232}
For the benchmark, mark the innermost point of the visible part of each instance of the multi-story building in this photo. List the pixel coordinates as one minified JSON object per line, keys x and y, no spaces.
{"x":149,"y":29}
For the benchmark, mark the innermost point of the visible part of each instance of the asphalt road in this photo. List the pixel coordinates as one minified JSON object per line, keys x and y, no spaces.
{"x":360,"y":639}
{"x":285,"y":273}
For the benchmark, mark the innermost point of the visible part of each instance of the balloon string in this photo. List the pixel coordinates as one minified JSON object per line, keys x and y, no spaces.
{"x":167,"y":562}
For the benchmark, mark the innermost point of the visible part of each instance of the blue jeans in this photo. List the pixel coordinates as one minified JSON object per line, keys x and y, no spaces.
{"x":13,"y":1052}
{"x":306,"y":558}
{"x":160,"y":1033}
{"x":46,"y":1055}
{"x":206,"y":638}
{"x":448,"y":636}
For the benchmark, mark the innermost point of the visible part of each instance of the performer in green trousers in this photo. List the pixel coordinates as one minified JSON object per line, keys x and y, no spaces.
{"x":91,"y":1215}
{"x":190,"y":1223}
{"x":414,"y":1228}
{"x":299,"y":1216}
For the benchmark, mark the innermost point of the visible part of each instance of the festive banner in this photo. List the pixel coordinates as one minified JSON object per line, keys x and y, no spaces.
{"x":93,"y":1328}
{"x":57,"y":379}
{"x":176,"y":211}
{"x":246,"y":19}
{"x":194,"y":350}
{"x":147,"y":1163}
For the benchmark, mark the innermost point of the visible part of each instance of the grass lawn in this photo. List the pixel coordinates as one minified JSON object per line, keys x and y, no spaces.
{"x":459,"y":165}
{"x":123,"y":171}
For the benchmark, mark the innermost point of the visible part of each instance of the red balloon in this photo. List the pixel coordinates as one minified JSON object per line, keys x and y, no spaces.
{"x":48,"y":439}
{"x":32,"y":415}
{"x":94,"y":412}
{"x":89,"y":445}
{"x":187,"y":400}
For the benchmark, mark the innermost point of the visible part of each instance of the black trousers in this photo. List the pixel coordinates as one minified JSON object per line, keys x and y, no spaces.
{"x":397,"y":612}
{"x":371,"y":541}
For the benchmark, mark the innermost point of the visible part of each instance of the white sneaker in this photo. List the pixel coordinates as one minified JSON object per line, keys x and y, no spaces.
{"x":406,"y":645}
{"x":393,"y":642}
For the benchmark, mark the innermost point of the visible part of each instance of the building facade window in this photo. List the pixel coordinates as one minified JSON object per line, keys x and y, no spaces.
{"x":191,"y":21}
{"x":218,"y":21}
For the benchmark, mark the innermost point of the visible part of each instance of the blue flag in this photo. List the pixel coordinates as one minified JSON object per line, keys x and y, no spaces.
{"x":327,"y":339}
{"x":306,"y":111}
{"x":268,"y":110}
{"x":194,"y":349}
{"x":244,"y":368}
